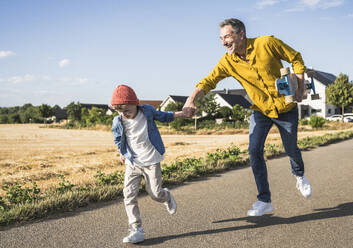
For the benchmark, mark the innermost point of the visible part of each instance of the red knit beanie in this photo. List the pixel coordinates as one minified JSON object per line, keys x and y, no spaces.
{"x":123,"y":94}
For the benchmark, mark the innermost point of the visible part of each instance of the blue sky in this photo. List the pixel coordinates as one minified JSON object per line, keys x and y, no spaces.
{"x":59,"y":51}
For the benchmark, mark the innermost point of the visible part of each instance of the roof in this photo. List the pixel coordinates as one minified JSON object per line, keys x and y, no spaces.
{"x":230,"y":91}
{"x":324,"y":77}
{"x":235,"y":99}
{"x":60,"y":114}
{"x":89,"y":106}
{"x":153,"y":103}
{"x":181,"y":99}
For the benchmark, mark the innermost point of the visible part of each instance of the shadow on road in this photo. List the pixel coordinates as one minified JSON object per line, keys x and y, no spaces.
{"x":342,"y":210}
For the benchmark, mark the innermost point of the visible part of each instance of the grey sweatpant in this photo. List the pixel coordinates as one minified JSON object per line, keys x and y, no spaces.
{"x":153,"y":178}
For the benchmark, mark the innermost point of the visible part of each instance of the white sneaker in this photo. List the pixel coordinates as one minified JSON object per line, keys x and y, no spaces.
{"x":260,"y":208}
{"x":304,"y":186}
{"x":135,"y":236}
{"x":171,"y":204}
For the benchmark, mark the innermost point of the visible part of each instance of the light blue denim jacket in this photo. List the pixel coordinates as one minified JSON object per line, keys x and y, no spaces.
{"x":151,"y":114}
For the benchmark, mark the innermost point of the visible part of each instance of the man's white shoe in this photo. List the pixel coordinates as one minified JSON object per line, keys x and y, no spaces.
{"x":260,"y":208}
{"x":135,"y":236}
{"x":171,"y":204}
{"x":304,"y":186}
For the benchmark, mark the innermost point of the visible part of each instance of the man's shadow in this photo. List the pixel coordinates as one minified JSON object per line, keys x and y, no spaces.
{"x":345,"y":209}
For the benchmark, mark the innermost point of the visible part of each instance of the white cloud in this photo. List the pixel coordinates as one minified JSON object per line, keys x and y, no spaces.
{"x":350,"y":15}
{"x":310,"y":3}
{"x":21,"y":79}
{"x":322,"y":4}
{"x":4,"y":54}
{"x":264,"y":3}
{"x":296,"y":9}
{"x":64,"y":62}
{"x":29,"y":78}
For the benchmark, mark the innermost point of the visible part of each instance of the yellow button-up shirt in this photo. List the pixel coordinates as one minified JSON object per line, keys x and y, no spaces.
{"x":258,"y":75}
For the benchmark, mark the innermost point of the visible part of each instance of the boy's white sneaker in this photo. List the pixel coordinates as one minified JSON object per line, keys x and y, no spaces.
{"x":260,"y":208}
{"x":304,"y":186}
{"x":171,"y":204}
{"x":135,"y":236}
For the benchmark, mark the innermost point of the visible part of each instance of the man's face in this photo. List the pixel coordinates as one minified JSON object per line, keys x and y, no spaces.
{"x":230,"y":40}
{"x":127,"y":111}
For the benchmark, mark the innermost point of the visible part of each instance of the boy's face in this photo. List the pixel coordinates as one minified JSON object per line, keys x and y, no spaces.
{"x":127,"y":111}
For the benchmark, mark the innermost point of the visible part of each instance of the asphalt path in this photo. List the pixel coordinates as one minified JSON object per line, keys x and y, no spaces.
{"x":212,"y":212}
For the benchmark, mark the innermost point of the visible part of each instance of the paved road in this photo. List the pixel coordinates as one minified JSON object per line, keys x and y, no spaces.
{"x":212,"y":212}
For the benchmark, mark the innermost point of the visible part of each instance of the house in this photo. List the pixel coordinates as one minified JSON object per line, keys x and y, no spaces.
{"x":172,"y":99}
{"x":59,"y":114}
{"x":154,"y":103}
{"x":105,"y":107}
{"x":320,"y":106}
{"x":226,"y":97}
{"x":230,"y":100}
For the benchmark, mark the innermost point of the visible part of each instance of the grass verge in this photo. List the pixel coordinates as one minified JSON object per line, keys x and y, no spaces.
{"x":22,"y":204}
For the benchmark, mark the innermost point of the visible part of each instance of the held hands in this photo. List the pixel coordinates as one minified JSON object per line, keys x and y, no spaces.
{"x":189,"y":108}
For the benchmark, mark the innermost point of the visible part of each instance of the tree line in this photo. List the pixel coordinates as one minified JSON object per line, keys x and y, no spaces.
{"x":340,"y":94}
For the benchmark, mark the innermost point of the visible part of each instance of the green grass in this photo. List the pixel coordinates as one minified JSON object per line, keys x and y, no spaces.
{"x":22,"y":204}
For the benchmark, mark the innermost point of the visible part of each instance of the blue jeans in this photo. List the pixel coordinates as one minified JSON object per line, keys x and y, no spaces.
{"x":260,"y":125}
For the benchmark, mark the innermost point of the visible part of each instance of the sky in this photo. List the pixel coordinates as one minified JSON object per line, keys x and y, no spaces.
{"x":63,"y":51}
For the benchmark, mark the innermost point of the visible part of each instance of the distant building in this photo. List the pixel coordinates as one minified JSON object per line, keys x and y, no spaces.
{"x":226,"y":97}
{"x":319,"y":107}
{"x":156,"y":104}
{"x":59,"y":114}
{"x":229,"y":100}
{"x":172,"y":99}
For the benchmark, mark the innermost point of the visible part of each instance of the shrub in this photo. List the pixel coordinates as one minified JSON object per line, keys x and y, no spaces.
{"x":316,"y":121}
{"x":64,"y":185}
{"x":16,"y":194}
{"x":115,"y":178}
{"x":304,"y":122}
{"x":3,"y":205}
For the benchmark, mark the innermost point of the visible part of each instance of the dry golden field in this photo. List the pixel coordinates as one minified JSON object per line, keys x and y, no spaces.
{"x":31,"y":153}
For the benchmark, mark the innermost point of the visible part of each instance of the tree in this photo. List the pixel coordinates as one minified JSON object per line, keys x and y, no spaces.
{"x":45,"y":111}
{"x":225,"y":112}
{"x":239,"y":113}
{"x":340,"y":93}
{"x":174,"y":106}
{"x":30,"y":114}
{"x":208,"y":105}
{"x":74,"y":111}
{"x":95,"y":116}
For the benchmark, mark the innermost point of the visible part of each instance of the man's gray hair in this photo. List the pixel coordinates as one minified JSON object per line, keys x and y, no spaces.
{"x":236,"y":24}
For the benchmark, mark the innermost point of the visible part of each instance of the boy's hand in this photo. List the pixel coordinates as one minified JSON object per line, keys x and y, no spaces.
{"x":122,"y":159}
{"x":180,"y":114}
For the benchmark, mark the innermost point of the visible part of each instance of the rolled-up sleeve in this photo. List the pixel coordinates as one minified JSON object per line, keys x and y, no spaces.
{"x":288,"y":54}
{"x":210,"y":82}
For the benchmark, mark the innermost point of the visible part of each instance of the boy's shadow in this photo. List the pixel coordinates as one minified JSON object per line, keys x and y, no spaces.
{"x":345,"y":209}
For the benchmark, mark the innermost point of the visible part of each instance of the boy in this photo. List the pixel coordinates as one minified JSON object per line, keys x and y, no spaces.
{"x":141,"y":149}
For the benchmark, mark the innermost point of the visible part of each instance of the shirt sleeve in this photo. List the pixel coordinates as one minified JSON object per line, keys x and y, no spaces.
{"x":210,"y":82}
{"x":285,"y":52}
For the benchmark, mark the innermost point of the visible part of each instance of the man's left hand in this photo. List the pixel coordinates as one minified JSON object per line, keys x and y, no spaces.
{"x":299,"y":94}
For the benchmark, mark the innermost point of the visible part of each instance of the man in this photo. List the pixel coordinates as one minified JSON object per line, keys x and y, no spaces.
{"x":255,"y":63}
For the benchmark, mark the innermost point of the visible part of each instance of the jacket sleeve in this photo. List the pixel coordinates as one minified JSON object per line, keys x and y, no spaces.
{"x":285,"y":52}
{"x":116,"y":133}
{"x":211,"y":80}
{"x":162,"y":116}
